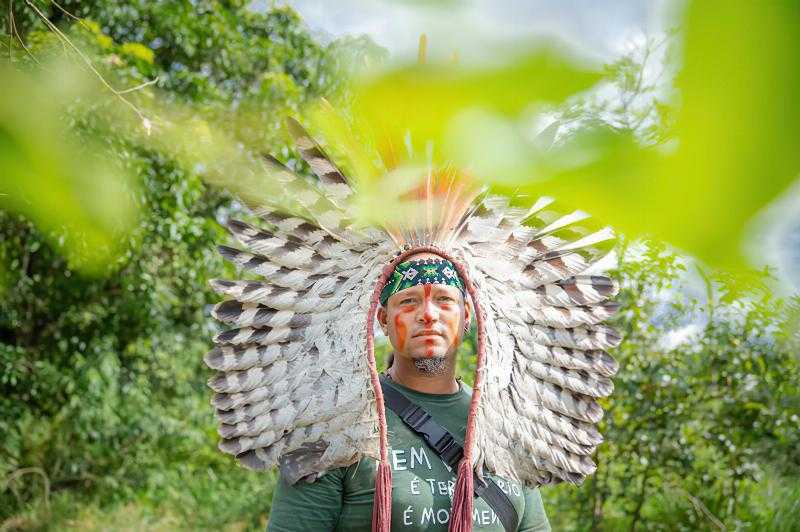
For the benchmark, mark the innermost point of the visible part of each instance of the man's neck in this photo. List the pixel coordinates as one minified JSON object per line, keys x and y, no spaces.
{"x":404,"y":372}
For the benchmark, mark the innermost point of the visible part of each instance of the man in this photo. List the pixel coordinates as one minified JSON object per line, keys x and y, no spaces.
{"x":425,"y":324}
{"x":297,"y":385}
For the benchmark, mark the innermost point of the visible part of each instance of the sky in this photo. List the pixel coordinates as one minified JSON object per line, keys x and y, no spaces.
{"x":598,"y":29}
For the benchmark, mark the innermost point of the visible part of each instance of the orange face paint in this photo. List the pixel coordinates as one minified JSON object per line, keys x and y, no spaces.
{"x":452,"y":327}
{"x":400,"y":331}
{"x":400,"y":328}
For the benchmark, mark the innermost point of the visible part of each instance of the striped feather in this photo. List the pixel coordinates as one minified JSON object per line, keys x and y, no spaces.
{"x":230,"y":401}
{"x":578,"y":290}
{"x":306,"y":385}
{"x":264,"y":335}
{"x":312,"y":153}
{"x":291,"y":252}
{"x":279,"y":275}
{"x":506,"y":410}
{"x":253,"y":315}
{"x":338,"y":444}
{"x":312,"y":201}
{"x":554,"y":266}
{"x":578,"y":381}
{"x":583,"y":337}
{"x":321,"y":296}
{"x":565,"y":317}
{"x":567,"y":465}
{"x":268,"y":445}
{"x":581,"y":432}
{"x":591,"y":247}
{"x":227,"y":358}
{"x":331,"y":244}
{"x":554,"y":397}
{"x":594,"y":361}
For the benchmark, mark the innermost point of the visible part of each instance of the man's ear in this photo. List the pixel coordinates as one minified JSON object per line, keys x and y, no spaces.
{"x":382,"y":320}
{"x":467,"y":313}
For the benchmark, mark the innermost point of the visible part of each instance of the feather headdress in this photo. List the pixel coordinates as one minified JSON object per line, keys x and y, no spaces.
{"x":297,"y":383}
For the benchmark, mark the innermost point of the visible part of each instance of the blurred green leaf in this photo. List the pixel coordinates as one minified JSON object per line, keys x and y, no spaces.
{"x":423,"y":101}
{"x":739,"y":125}
{"x":735,"y":145}
{"x":82,"y":203}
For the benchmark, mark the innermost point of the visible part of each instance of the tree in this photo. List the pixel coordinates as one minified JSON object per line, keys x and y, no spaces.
{"x":699,"y":413}
{"x":102,"y":384}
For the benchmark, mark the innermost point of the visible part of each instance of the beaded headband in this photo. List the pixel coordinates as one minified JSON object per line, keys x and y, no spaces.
{"x":421,"y":271}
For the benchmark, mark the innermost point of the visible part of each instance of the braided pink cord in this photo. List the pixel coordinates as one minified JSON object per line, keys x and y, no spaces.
{"x":461,"y":511}
{"x":382,"y":503}
{"x":480,"y":359}
{"x":461,"y":514}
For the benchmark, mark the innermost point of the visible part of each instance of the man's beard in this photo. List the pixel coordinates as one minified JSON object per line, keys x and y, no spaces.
{"x":432,"y":365}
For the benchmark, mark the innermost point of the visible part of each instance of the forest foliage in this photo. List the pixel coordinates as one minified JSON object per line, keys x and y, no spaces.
{"x":107,"y":241}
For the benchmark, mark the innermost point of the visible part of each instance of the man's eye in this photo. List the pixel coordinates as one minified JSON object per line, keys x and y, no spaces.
{"x":407,"y":302}
{"x":446,"y":299}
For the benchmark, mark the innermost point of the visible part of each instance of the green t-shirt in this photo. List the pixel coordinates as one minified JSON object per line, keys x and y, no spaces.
{"x":422,"y":485}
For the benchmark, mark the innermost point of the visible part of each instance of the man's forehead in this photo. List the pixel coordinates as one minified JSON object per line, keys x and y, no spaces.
{"x":419,"y":290}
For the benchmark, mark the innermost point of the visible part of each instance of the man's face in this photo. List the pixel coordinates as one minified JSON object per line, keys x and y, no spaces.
{"x":425,"y":321}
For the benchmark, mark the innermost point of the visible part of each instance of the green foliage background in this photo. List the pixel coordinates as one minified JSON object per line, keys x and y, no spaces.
{"x":104,"y":411}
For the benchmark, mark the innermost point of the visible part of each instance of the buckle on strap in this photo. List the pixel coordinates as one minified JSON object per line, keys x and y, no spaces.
{"x":437,"y":437}
{"x":415,"y":417}
{"x":449,"y":449}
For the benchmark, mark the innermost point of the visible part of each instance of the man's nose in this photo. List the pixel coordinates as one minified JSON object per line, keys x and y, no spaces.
{"x":429,"y":312}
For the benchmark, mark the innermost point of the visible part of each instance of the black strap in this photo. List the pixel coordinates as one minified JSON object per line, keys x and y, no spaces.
{"x":450,"y":451}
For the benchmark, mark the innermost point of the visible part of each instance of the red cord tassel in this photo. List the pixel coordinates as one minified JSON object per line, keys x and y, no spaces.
{"x":461,"y":510}
{"x":382,"y":504}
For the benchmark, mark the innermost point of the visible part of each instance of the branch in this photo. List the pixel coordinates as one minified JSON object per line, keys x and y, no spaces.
{"x":140,"y":86}
{"x":66,"y":41}
{"x":701,"y":508}
{"x":12,"y":29}
{"x":27,"y":470}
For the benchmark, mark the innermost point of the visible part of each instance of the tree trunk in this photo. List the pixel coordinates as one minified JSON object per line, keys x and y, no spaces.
{"x":598,"y":498}
{"x":637,"y":514}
